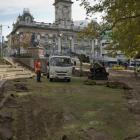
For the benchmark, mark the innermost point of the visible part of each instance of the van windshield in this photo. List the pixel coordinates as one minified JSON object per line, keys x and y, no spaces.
{"x":60,"y":61}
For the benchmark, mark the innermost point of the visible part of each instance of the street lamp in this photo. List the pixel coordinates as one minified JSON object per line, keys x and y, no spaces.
{"x":2,"y":38}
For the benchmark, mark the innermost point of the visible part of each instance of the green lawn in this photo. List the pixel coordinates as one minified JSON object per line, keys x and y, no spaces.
{"x":82,"y":109}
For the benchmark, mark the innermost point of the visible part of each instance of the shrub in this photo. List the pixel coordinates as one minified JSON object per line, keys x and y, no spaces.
{"x":118,"y":67}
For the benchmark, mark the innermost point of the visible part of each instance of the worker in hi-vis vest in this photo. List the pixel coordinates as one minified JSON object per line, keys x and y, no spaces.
{"x":38,"y":70}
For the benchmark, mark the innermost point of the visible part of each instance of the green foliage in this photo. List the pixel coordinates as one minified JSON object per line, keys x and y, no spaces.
{"x":126,"y":35}
{"x":123,"y":18}
{"x":84,"y":58}
{"x":91,"y":31}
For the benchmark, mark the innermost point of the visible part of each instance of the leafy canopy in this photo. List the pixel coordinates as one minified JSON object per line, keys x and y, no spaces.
{"x":123,"y":18}
{"x":92,"y":31}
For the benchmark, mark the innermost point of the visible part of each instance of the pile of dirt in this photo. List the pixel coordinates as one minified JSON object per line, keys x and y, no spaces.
{"x":117,"y":84}
{"x":137,"y":137}
{"x":93,"y":134}
{"x":16,"y":85}
{"x":95,"y":82}
{"x":89,"y":82}
{"x":110,"y":84}
{"x":88,"y":134}
{"x":21,"y":87}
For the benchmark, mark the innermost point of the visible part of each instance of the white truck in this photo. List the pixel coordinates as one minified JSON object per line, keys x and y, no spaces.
{"x":60,"y":67}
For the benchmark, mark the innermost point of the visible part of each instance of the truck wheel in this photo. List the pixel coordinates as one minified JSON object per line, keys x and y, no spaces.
{"x":51,"y":79}
{"x":68,"y":80}
{"x":47,"y":76}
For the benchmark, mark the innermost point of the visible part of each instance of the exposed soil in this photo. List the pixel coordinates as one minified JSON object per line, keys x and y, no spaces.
{"x":132,"y":95}
{"x":131,"y":83}
{"x":31,"y":118}
{"x":34,"y":121}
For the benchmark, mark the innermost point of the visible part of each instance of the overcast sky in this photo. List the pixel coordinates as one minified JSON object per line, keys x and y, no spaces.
{"x":42,"y":10}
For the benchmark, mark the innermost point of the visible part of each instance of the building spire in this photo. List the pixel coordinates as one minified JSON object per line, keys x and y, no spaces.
{"x":26,"y":10}
{"x":63,"y":13}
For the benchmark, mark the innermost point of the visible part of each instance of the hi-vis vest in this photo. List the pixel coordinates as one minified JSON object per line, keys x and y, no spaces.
{"x":37,"y":66}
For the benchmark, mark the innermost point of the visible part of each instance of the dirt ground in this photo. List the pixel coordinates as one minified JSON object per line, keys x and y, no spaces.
{"x":132,"y":96}
{"x":71,"y":111}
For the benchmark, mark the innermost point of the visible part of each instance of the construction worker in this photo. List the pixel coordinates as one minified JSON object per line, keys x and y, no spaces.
{"x":38,"y":70}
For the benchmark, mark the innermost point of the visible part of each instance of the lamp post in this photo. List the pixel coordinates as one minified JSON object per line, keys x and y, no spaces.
{"x":2,"y":38}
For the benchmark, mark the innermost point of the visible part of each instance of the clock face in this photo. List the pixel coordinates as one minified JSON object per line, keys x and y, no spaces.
{"x":66,"y":12}
{"x":63,"y":12}
{"x":28,"y":19}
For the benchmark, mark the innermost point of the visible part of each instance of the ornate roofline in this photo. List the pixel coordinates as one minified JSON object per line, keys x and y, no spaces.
{"x":65,"y":1}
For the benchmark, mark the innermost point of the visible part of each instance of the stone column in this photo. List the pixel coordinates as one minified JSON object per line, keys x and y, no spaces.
{"x":72,"y":44}
{"x":59,"y":44}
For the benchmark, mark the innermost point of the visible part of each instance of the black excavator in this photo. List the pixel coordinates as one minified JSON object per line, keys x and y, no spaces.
{"x":98,"y":72}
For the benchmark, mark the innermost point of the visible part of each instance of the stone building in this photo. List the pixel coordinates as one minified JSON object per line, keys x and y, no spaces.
{"x":58,"y":37}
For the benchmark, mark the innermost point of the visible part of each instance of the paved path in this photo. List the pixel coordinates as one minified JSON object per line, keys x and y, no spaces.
{"x":14,"y":71}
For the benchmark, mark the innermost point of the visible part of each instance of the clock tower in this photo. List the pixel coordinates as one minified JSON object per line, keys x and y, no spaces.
{"x":63,"y":13}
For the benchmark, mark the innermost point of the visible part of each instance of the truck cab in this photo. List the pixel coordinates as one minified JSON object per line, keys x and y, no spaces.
{"x":60,"y":67}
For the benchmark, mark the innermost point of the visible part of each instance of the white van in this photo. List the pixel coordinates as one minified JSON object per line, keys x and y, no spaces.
{"x":60,"y":67}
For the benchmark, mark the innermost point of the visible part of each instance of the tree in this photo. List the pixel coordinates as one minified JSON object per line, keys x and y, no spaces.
{"x":123,"y":18}
{"x":91,"y":31}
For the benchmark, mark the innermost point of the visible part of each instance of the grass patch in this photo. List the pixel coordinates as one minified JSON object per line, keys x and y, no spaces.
{"x":83,"y":107}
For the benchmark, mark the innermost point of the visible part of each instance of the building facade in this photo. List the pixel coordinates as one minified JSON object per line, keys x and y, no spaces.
{"x":58,"y":37}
